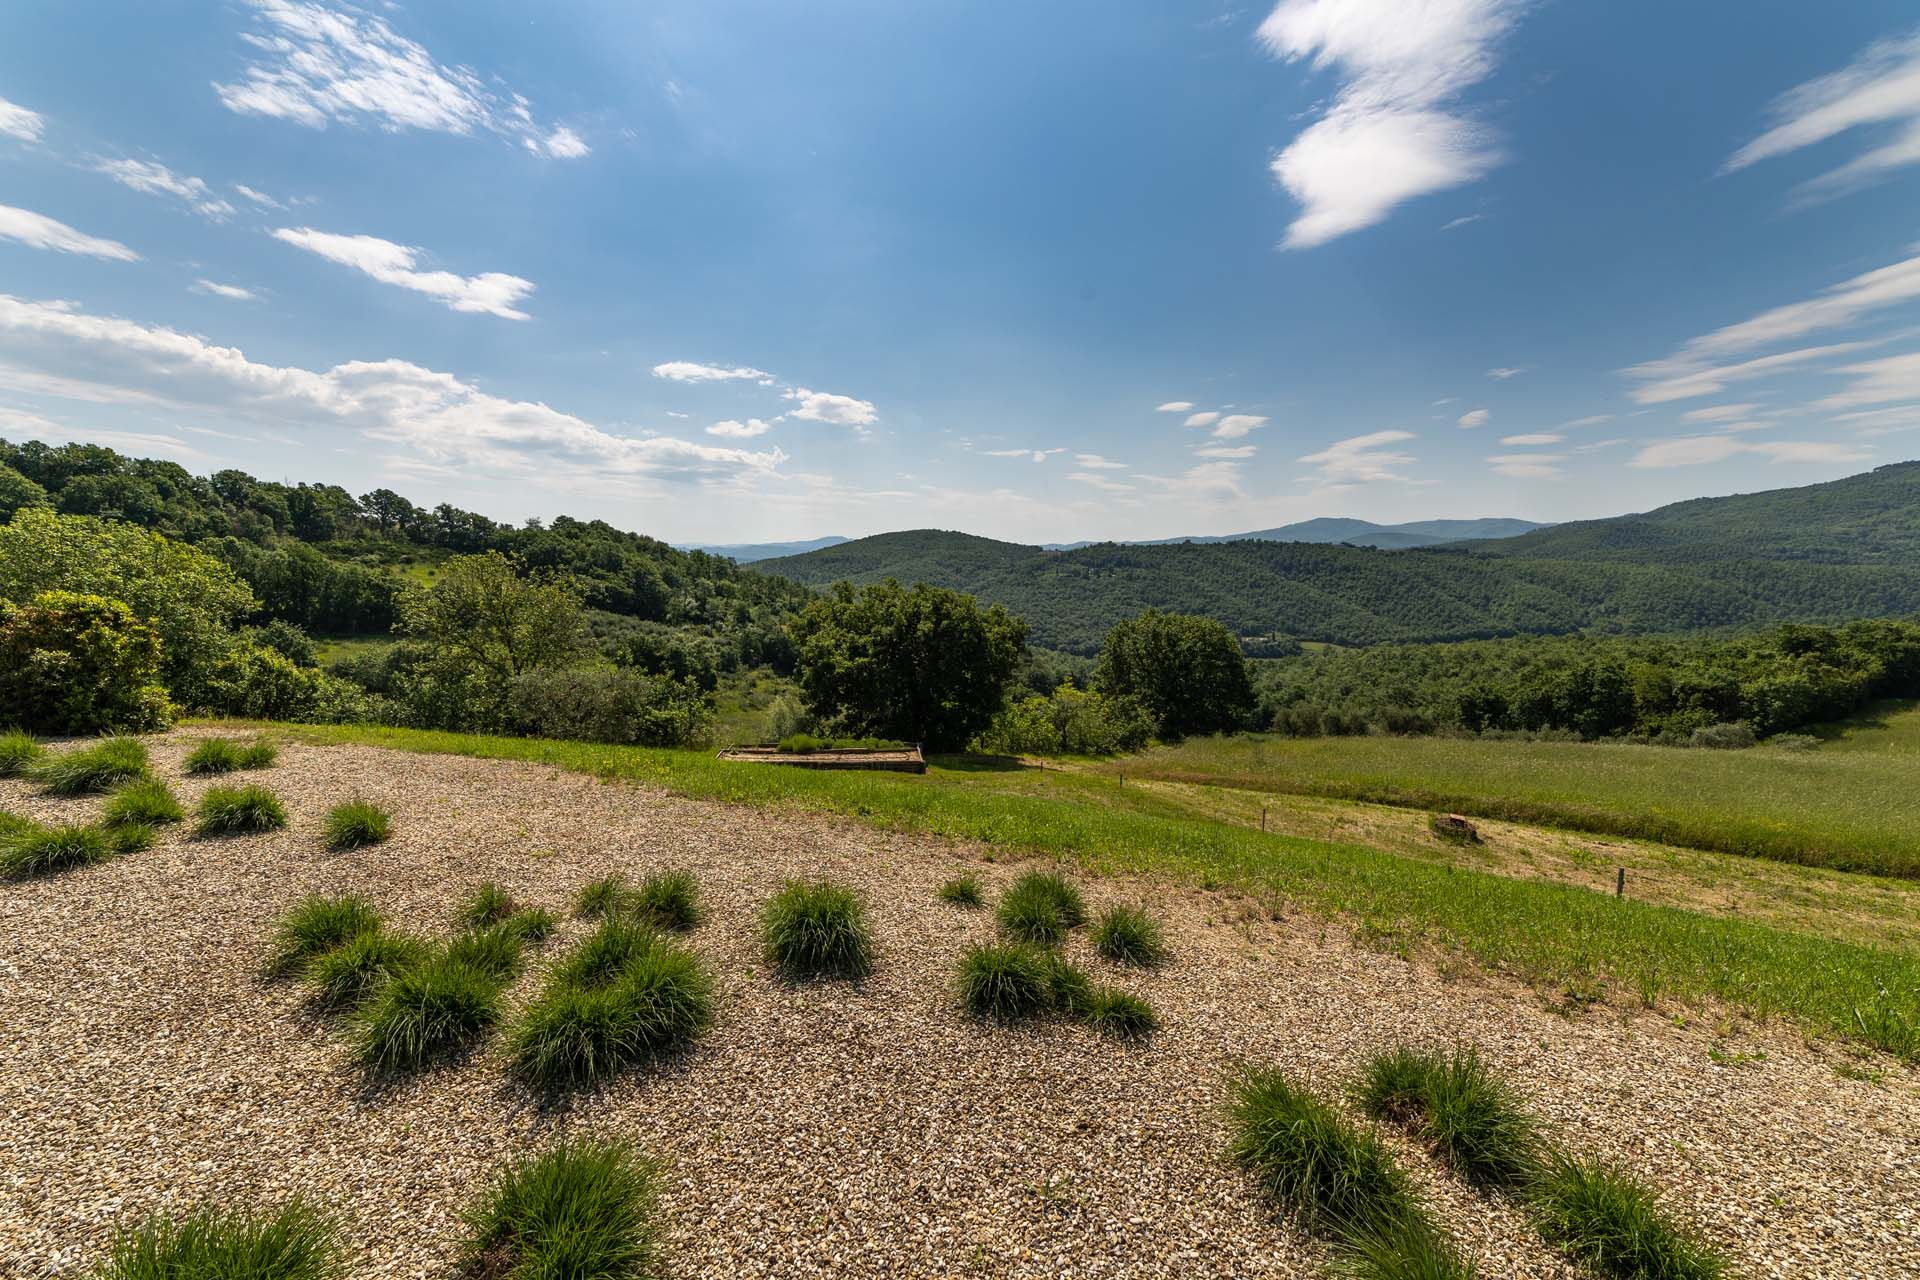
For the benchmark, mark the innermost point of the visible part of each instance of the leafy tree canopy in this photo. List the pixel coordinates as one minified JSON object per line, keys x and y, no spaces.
{"x":1187,"y":672}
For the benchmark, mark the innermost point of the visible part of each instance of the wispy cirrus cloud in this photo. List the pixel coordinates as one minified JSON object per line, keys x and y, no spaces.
{"x":230,"y":291}
{"x":1094,"y":462}
{"x":18,"y":122}
{"x":1880,"y":87}
{"x":1362,"y":459}
{"x":1475,"y":418}
{"x":1036,"y":455}
{"x":1876,"y":382}
{"x":1529,"y":466}
{"x":37,"y":231}
{"x":492,"y":293}
{"x":156,"y":179}
{"x":1694,"y":451}
{"x":1174,"y":406}
{"x":1394,"y":130}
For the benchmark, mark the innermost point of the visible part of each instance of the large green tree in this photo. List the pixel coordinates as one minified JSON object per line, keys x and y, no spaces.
{"x":484,"y":617}
{"x":921,"y":664}
{"x":1187,"y":672}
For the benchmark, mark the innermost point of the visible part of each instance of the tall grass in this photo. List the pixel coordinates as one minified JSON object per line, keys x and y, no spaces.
{"x":144,"y":800}
{"x":38,"y":851}
{"x":80,"y":771}
{"x":1613,"y":1223}
{"x":817,"y":929}
{"x":19,"y":752}
{"x":578,"y":1211}
{"x":291,"y":1243}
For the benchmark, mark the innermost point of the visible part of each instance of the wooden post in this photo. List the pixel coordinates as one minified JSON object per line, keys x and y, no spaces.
{"x":1263,"y":817}
{"x":1620,"y":884}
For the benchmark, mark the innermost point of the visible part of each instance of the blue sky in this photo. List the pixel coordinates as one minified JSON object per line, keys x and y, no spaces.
{"x":743,"y":271}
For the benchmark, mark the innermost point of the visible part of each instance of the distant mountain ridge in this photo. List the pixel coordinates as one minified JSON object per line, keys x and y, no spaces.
{"x":1359,"y":533}
{"x":749,"y":552}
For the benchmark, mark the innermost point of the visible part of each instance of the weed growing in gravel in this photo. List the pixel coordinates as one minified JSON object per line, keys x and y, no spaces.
{"x":625,"y":995}
{"x":667,"y":900}
{"x":34,"y":850}
{"x":817,"y":929}
{"x":146,"y":800}
{"x":227,"y":811}
{"x":580,"y":1210}
{"x":599,"y":897}
{"x":427,"y":1012}
{"x":224,"y":755}
{"x":355,"y":824}
{"x":494,"y":952}
{"x":1004,"y":983}
{"x":1614,"y":1223}
{"x":487,"y":905}
{"x":1116,"y":1013}
{"x":1128,"y":935}
{"x":315,"y":926}
{"x":961,"y":891}
{"x":1468,"y":1116}
{"x":19,"y":752}
{"x":292,"y":1243}
{"x":90,"y":770}
{"x":1301,"y":1151}
{"x":351,"y":974}
{"x":130,"y":837}
{"x":1040,"y":907}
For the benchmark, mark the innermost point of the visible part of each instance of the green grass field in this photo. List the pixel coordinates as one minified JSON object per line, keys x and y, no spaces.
{"x":1573,"y":943}
{"x":1853,"y":803}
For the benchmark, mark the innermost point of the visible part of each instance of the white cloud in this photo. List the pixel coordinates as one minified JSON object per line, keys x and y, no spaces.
{"x":734,"y":430}
{"x":1207,"y":482}
{"x":1528,"y":466}
{"x":1359,"y":459}
{"x":493,"y":292}
{"x":1236,"y":425}
{"x":260,"y":198}
{"x":1877,"y":382}
{"x":438,"y":416}
{"x":1457,"y":223}
{"x":1226,"y":451}
{"x":1202,"y":419}
{"x":1102,"y":483}
{"x":1671,"y":381}
{"x":1475,"y":418}
{"x":157,"y":180}
{"x":1502,"y":374}
{"x":18,"y":122}
{"x":219,"y":290}
{"x":314,"y":64}
{"x":1037,"y":455}
{"x":1094,"y":462}
{"x":1880,"y":422}
{"x":37,"y":231}
{"x":1174,"y":406}
{"x":1391,"y":133}
{"x":688,"y":371}
{"x":1720,"y":413}
{"x":1693,"y":451}
{"x":1880,"y":87}
{"x":1592,"y":420}
{"x":1533,"y":438}
{"x":821,"y":406}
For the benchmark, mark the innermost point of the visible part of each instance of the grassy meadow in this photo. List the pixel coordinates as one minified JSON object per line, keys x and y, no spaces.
{"x":1577,"y":945}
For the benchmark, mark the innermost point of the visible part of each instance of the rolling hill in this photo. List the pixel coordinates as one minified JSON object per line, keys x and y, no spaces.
{"x":1359,"y":533}
{"x":1849,"y":548}
{"x":749,"y":552}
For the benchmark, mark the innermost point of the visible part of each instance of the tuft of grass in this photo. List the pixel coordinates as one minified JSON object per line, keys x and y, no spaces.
{"x":1068,"y":987}
{"x":606,"y":952}
{"x":19,"y":752}
{"x":485,"y":906}
{"x":1116,"y":1013}
{"x":1128,"y":935}
{"x":1614,"y":1224}
{"x":1468,"y":1116}
{"x":1338,"y":1177}
{"x":494,"y":953}
{"x":34,"y":850}
{"x":226,"y":811}
{"x":130,"y":837}
{"x":667,"y":900}
{"x":578,"y":1211}
{"x":224,"y":755}
{"x":599,"y":897}
{"x":1004,"y":983}
{"x":531,"y":925}
{"x":351,"y":974}
{"x":427,"y":1012}
{"x":290,"y":1243}
{"x":1040,"y":907}
{"x":144,"y":800}
{"x":1406,"y":1249}
{"x":91,"y":770}
{"x":317,"y":925}
{"x":354,"y":824}
{"x":659,"y":998}
{"x":817,"y":929}
{"x":961,"y":891}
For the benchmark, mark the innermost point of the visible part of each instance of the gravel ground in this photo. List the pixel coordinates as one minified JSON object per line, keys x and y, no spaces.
{"x":857,"y":1131}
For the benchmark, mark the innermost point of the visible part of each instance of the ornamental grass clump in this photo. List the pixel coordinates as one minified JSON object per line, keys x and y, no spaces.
{"x":488,"y":904}
{"x":144,"y":800}
{"x":1040,"y":907}
{"x":1017,"y":981}
{"x":353,"y":973}
{"x":578,"y":1211}
{"x":426,"y":1013}
{"x":19,"y":752}
{"x":316,"y":925}
{"x":224,"y":755}
{"x":1457,"y":1107}
{"x":1613,"y":1223}
{"x":1128,"y":935}
{"x":817,"y":929}
{"x":289,"y":1243}
{"x":92,"y":770}
{"x":232,"y":811}
{"x":355,"y":824}
{"x":599,"y":897}
{"x":667,"y":900}
{"x":961,"y":891}
{"x":34,"y":850}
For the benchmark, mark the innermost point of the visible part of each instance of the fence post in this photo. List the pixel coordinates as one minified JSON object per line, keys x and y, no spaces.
{"x":1620,"y":884}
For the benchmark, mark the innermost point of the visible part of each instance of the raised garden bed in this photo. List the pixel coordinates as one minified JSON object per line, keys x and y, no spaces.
{"x":894,"y":759}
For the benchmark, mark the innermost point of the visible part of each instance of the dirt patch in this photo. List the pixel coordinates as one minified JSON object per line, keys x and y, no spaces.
{"x":859,"y":1130}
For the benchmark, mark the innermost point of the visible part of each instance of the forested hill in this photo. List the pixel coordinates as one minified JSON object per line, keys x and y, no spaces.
{"x":1821,"y":553}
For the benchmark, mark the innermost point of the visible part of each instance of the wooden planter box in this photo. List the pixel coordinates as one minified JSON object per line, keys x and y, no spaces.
{"x":892,"y":759}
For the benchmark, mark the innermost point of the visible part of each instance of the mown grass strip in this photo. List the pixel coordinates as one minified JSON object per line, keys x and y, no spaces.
{"x":1552,"y":935}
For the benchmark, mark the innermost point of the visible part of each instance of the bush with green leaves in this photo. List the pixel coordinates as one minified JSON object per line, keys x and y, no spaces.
{"x":294,"y":1242}
{"x":1454,"y":1104}
{"x":1188,"y":673}
{"x":349,"y":975}
{"x":601,"y":704}
{"x":224,"y":755}
{"x":1040,"y":907}
{"x":578,"y":1211}
{"x":1615,"y":1224}
{"x":429,"y":1011}
{"x":316,"y":925}
{"x":92,"y":769}
{"x":232,"y":811}
{"x":255,"y":682}
{"x":1129,"y":935}
{"x":817,"y":929}
{"x":72,"y":664}
{"x":38,"y":851}
{"x":1067,"y":722}
{"x":19,"y":752}
{"x":962,"y":891}
{"x":355,"y":824}
{"x":145,"y":800}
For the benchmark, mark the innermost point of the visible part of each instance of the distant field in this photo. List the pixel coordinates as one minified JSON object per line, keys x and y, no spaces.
{"x":1852,"y":804}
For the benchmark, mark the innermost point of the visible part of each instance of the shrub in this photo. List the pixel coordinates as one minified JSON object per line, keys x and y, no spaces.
{"x":37,"y":851}
{"x":144,"y":800}
{"x":88,"y":770}
{"x":347,"y":976}
{"x":1004,"y":983}
{"x":315,"y":926}
{"x":1732,"y":736}
{"x":1067,"y":721}
{"x":599,"y":897}
{"x":1301,"y":1151}
{"x":1613,"y":1223}
{"x":427,"y":1012}
{"x":354,"y":824}
{"x":658,"y":998}
{"x":253,"y":682}
{"x":1128,"y":935}
{"x":73,"y":663}
{"x":1040,"y":907}
{"x":817,"y":929}
{"x":1460,"y":1109}
{"x":226,"y":811}
{"x":19,"y":752}
{"x":584,"y":1211}
{"x":668,"y":900}
{"x":1117,"y":1013}
{"x":599,"y":704}
{"x":961,"y":891}
{"x":487,"y":905}
{"x":291,"y":1243}
{"x":494,"y":952}
{"x":224,"y":755}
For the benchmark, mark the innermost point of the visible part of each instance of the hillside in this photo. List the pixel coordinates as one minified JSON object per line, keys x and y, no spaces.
{"x":1359,"y":533}
{"x":1819,"y":553}
{"x":748,"y":552}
